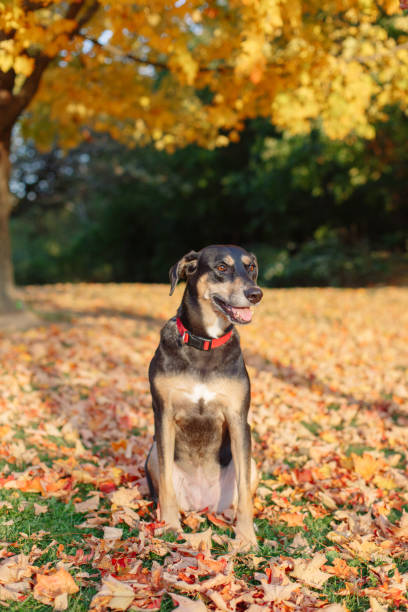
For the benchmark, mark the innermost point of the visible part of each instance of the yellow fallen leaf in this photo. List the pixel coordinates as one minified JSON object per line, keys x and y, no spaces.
{"x":384,"y":482}
{"x":367,"y":466}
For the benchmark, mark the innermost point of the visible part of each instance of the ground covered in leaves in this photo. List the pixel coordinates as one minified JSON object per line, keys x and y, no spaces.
{"x":329,"y":418}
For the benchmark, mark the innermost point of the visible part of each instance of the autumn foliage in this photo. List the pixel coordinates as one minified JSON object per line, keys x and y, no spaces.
{"x":185,"y":71}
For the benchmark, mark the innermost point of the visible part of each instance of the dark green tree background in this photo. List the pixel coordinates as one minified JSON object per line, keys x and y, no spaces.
{"x":317,"y":212}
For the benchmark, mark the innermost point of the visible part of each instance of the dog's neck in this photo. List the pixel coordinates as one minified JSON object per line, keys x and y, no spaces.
{"x":198,"y":316}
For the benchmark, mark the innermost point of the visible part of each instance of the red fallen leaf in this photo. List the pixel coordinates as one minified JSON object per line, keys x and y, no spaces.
{"x":403,"y":4}
{"x":304,"y":475}
{"x":151,"y":527}
{"x":188,"y":579}
{"x":4,"y":480}
{"x":218,"y":521}
{"x":108,"y":487}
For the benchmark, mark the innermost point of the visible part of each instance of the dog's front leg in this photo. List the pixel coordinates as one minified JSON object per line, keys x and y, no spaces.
{"x":165,"y":437}
{"x":240,"y":435}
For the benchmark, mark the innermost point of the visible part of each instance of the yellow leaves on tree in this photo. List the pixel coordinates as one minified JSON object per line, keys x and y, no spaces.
{"x":187,"y":72}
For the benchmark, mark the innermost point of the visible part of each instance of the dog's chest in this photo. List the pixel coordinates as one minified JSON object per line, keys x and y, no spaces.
{"x":191,"y":397}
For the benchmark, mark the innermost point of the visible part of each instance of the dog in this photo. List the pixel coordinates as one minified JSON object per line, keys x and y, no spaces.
{"x":201,"y":454}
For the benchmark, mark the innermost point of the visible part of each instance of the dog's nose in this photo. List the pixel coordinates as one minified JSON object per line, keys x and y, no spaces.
{"x":253,"y":294}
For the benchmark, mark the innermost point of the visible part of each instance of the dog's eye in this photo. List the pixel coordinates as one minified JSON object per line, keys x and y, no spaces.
{"x":221,"y":267}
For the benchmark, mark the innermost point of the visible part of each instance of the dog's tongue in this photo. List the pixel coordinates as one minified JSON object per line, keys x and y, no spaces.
{"x":242,"y":314}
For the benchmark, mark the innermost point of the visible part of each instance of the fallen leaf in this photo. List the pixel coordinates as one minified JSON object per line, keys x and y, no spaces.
{"x":113,"y":594}
{"x":112,"y":533}
{"x":126,"y":498}
{"x":309,"y":572}
{"x":92,"y":503}
{"x":50,"y":586}
{"x":15,"y":568}
{"x":200,"y":540}
{"x":188,"y":605}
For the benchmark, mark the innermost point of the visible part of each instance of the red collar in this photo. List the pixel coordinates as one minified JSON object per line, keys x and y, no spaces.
{"x":204,"y":344}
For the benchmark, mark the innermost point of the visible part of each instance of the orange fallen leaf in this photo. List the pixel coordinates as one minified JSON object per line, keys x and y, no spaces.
{"x":219,"y":522}
{"x":293,"y":519}
{"x":51,"y":586}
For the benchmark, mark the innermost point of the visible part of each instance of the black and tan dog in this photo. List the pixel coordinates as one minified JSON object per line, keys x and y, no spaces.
{"x":201,"y":456}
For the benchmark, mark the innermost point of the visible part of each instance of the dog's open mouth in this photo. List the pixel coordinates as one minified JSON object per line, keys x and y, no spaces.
{"x":234,"y":313}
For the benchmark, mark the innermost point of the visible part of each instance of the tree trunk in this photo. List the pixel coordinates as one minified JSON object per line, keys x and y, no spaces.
{"x":7,"y":303}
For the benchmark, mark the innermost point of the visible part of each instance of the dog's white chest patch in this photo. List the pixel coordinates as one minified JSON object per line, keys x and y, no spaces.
{"x":201,"y":392}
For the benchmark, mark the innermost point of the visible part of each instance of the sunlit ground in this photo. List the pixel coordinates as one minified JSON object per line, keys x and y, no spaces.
{"x":329,"y":416}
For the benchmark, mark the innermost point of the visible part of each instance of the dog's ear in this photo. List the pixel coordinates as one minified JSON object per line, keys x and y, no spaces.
{"x":187,"y":265}
{"x":256,"y":265}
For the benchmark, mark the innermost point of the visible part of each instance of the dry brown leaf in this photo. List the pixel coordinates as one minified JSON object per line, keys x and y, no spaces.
{"x":188,"y":605}
{"x":200,"y":540}
{"x":402,"y":530}
{"x":309,"y":572}
{"x":113,"y":594}
{"x":126,"y":498}
{"x":15,"y":568}
{"x":7,"y":594}
{"x":92,"y":503}
{"x":112,"y":533}
{"x":376,"y":606}
{"x":40,"y":509}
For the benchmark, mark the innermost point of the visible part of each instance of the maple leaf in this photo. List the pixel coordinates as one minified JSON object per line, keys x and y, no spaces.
{"x":54,"y":588}
{"x":126,"y":497}
{"x":309,"y":572}
{"x":114,"y":594}
{"x":15,"y":568}
{"x":188,"y":605}
{"x":92,"y":503}
{"x":402,"y":530}
{"x":367,"y":465}
{"x":200,"y":540}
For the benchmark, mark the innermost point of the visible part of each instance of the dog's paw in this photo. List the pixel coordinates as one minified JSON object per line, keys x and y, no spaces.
{"x":173,"y":527}
{"x":172,"y":522}
{"x":245,"y":539}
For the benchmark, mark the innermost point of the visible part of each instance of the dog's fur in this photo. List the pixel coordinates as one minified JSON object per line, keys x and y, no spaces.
{"x":201,"y":454}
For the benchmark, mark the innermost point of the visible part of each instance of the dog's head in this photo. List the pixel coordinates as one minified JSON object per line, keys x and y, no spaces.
{"x":222,"y":275}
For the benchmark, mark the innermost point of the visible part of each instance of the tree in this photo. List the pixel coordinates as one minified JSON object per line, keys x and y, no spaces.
{"x":190,"y":71}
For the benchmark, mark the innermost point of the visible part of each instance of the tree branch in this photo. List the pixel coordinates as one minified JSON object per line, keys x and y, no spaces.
{"x":20,"y":101}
